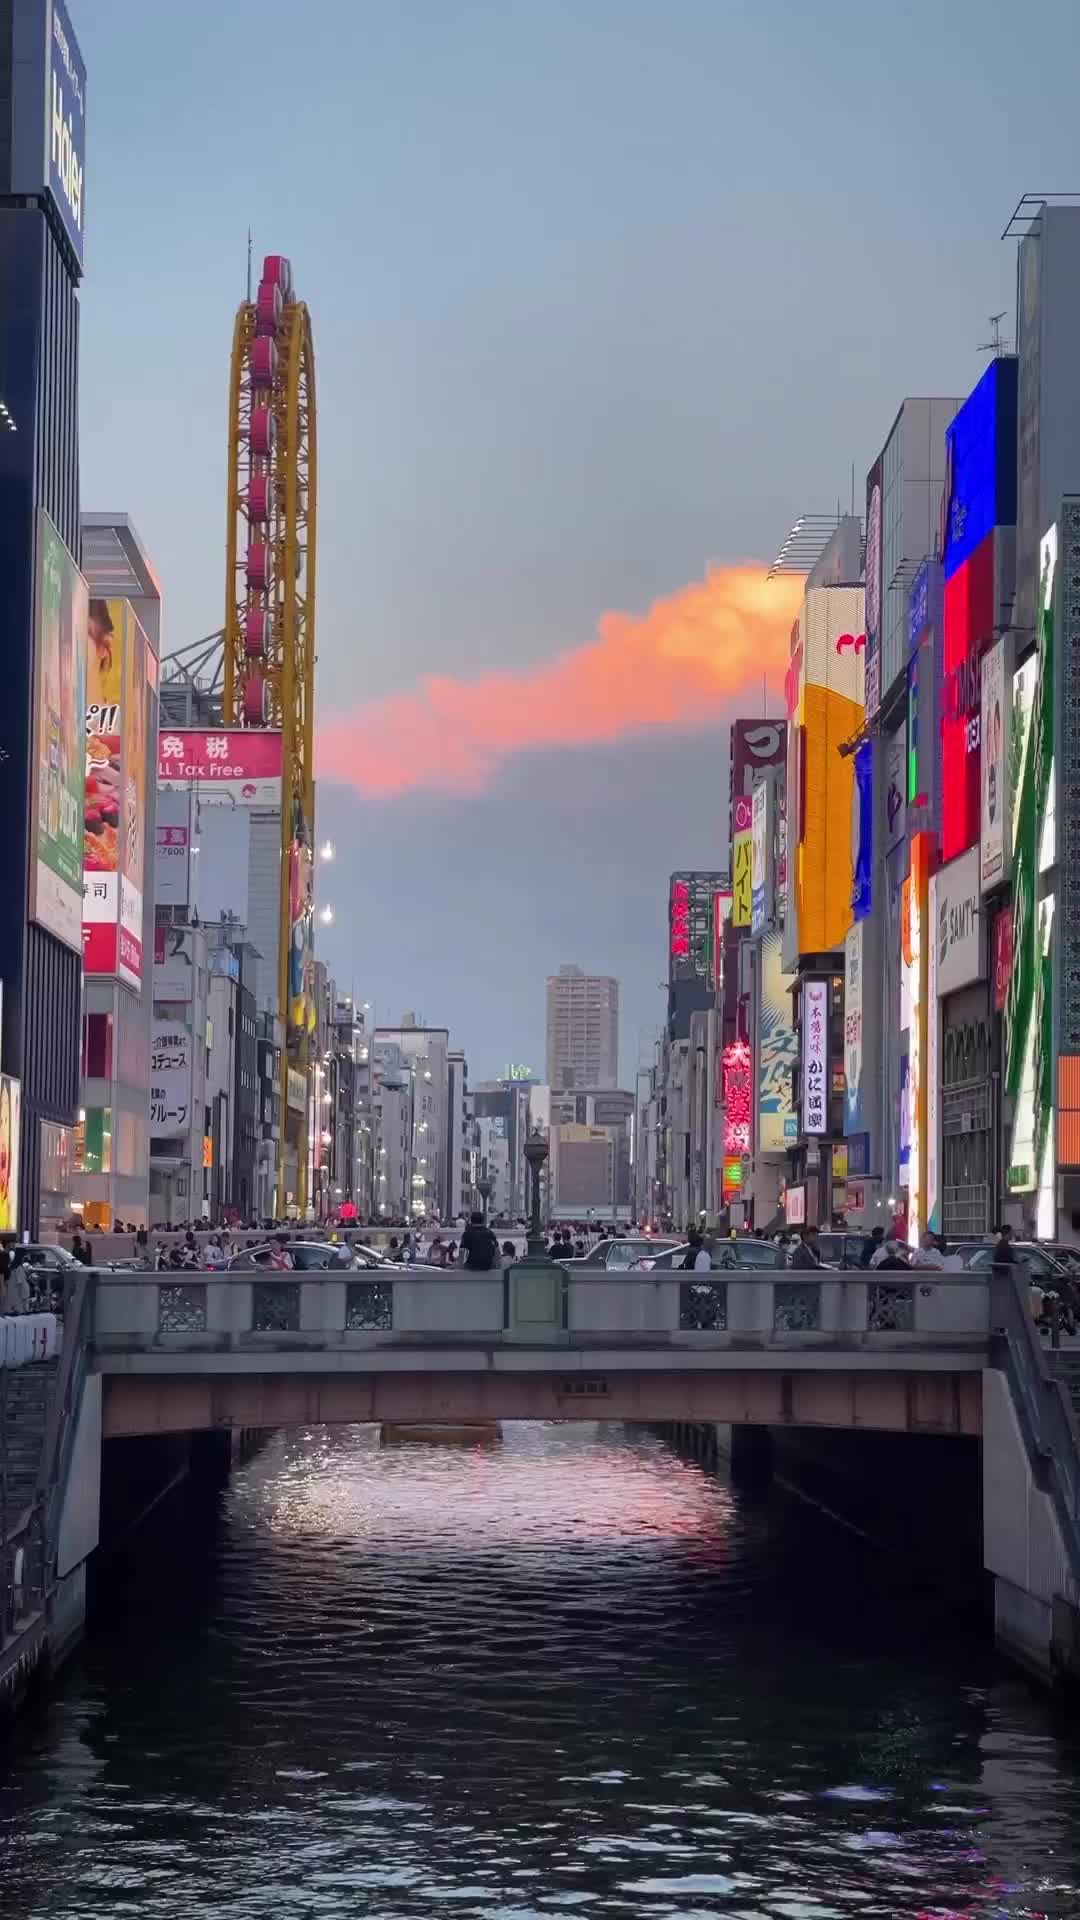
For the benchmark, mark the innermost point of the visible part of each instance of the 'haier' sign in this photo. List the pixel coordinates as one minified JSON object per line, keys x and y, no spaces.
{"x":66,"y":124}
{"x":49,"y":120}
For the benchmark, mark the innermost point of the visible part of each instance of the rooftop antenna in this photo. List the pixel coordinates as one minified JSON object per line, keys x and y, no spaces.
{"x":853,"y":486}
{"x":249,"y":268}
{"x":997,"y":346}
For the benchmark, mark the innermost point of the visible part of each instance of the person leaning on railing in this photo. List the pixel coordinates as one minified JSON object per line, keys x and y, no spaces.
{"x":16,"y":1285}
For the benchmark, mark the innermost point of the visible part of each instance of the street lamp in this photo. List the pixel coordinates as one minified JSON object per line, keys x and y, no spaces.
{"x":536,"y":1152}
{"x":483,"y":1188}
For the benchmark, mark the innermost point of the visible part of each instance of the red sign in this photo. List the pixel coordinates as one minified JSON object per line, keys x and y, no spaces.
{"x":680,"y":920}
{"x":968,"y":631}
{"x":738,"y":1109}
{"x":1002,"y":957}
{"x":231,"y":766}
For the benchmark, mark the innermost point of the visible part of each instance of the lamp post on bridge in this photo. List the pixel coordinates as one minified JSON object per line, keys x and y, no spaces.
{"x":536,"y":1153}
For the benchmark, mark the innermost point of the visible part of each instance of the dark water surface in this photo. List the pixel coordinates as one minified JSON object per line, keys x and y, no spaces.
{"x":571,"y":1674}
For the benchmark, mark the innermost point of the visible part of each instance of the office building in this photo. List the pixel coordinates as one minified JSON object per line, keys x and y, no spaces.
{"x":582,"y":1030}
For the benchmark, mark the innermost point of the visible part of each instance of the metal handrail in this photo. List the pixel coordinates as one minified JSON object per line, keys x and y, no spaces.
{"x":1047,"y":1421}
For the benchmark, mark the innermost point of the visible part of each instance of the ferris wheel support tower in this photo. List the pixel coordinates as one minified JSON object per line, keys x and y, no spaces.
{"x":269,"y":637}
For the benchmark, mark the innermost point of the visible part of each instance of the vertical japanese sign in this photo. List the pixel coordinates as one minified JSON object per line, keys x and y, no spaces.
{"x":56,"y":871}
{"x":815,"y":1056}
{"x":170,"y":1081}
{"x":742,"y":863}
{"x":994,"y":726}
{"x":854,"y":1118}
{"x":736,"y":1067}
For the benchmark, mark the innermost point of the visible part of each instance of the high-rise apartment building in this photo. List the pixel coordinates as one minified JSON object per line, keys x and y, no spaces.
{"x":582,"y":1030}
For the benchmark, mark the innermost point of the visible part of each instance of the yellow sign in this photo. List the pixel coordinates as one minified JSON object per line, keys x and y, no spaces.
{"x":207,"y":1151}
{"x":742,"y":885}
{"x":839,"y":1161}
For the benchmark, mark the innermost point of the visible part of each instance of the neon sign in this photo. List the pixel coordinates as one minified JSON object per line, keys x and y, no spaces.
{"x":738,"y":1108}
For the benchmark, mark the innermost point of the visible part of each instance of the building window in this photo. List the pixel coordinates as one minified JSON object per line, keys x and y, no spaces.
{"x":97,"y":1046}
{"x":93,"y":1141}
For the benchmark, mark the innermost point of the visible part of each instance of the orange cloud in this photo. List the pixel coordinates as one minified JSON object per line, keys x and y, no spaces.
{"x":681,"y":665}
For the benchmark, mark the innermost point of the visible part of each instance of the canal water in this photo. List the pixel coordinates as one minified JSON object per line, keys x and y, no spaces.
{"x":567,"y":1674}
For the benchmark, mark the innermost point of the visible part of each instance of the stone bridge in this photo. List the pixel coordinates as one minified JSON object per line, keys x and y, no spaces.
{"x":180,"y":1353}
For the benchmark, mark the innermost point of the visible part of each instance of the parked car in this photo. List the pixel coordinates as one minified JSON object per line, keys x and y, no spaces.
{"x":846,"y":1250}
{"x":619,"y":1255}
{"x":727,"y":1255}
{"x":978,"y":1257}
{"x":42,"y":1254}
{"x":309,"y":1256}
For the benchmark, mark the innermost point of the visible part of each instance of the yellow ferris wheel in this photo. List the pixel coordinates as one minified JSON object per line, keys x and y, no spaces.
{"x":269,"y":640}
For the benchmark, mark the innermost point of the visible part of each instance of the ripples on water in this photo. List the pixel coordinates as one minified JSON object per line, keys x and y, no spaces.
{"x":568,"y":1674}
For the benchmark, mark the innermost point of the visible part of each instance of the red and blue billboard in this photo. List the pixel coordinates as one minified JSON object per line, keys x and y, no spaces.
{"x":979,"y":565}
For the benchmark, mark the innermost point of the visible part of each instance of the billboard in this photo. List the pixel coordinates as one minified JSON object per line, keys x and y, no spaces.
{"x":777,"y":1053}
{"x":755,"y":745}
{"x":815,"y":1056}
{"x":959,"y":945}
{"x":1029,"y":1034}
{"x":874,"y":589}
{"x":692,"y":925}
{"x":174,"y":965}
{"x":59,"y":703}
{"x":979,"y":566}
{"x":920,"y":936}
{"x":301,"y":938}
{"x":114,"y":815}
{"x":171,"y":1052}
{"x":48,"y":151}
{"x":824,"y":691}
{"x":230,"y":768}
{"x":172,"y":851}
{"x":10,"y":1144}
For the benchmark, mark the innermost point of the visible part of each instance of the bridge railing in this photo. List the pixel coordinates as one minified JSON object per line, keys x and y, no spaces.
{"x":135,"y":1311}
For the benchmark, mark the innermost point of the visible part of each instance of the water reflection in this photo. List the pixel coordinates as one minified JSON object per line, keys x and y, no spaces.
{"x":568,"y":1673}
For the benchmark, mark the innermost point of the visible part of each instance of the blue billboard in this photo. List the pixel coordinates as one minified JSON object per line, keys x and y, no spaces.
{"x":981,"y":464}
{"x":48,"y":156}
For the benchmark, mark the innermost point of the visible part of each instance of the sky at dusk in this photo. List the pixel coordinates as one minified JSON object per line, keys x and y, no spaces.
{"x":604,"y":293}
